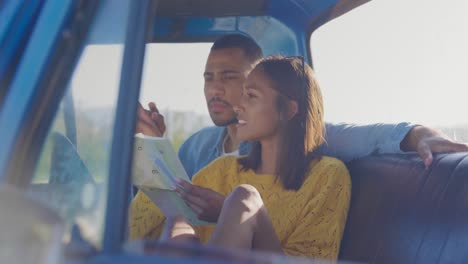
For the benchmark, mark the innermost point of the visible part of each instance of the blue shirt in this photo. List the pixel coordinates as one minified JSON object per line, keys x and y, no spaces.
{"x":343,"y":141}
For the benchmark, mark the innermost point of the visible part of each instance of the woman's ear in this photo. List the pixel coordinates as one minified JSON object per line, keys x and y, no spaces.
{"x":293,"y":108}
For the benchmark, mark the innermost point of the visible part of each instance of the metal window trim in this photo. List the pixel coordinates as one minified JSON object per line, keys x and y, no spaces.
{"x":139,"y":27}
{"x":17,"y":20}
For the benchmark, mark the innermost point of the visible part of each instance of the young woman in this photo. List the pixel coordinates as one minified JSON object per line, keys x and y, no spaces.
{"x":281,"y":197}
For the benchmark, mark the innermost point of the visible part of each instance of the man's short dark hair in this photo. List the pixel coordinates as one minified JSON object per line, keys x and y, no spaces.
{"x":250,"y":48}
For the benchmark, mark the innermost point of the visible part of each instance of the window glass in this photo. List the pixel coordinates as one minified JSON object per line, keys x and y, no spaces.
{"x":73,"y":169}
{"x":173,"y":79}
{"x":392,"y":61}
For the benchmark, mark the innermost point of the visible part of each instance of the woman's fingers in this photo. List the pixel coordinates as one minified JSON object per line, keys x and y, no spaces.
{"x":206,"y":203}
{"x":197,"y":209}
{"x":185,"y":190}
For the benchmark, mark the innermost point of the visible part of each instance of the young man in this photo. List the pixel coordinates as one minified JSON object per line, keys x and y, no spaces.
{"x":230,"y":60}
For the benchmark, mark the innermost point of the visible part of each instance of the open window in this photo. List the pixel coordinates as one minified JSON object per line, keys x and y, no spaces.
{"x":173,"y":79}
{"x":385,"y":63}
{"x":72,"y":174}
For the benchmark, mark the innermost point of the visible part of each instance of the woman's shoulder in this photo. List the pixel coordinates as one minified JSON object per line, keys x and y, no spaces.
{"x":211,"y":171}
{"x":225,"y":161}
{"x":327,"y":161}
{"x":328,"y":167}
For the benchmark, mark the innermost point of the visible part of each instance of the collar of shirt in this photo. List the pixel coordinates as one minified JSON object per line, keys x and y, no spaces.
{"x":244,"y":147}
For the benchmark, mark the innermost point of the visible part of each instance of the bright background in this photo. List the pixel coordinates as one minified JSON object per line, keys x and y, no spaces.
{"x":386,"y":61}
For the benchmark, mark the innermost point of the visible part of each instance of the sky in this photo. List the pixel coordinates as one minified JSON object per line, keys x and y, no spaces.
{"x":394,"y":60}
{"x":386,"y":61}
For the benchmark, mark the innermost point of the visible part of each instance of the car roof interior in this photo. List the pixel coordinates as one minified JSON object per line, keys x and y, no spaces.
{"x":173,"y":17}
{"x":211,"y":8}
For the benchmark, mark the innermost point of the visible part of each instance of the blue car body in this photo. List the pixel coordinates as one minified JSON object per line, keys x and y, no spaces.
{"x":40,"y":41}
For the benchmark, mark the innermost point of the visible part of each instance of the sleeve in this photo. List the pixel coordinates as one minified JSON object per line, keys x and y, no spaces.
{"x":319,"y":232}
{"x":349,"y":141}
{"x":145,"y":219}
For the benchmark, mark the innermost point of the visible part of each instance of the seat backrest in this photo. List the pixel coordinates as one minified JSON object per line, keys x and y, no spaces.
{"x":402,"y":212}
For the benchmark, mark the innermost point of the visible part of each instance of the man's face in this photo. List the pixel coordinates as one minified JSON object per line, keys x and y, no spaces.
{"x":225,"y":73}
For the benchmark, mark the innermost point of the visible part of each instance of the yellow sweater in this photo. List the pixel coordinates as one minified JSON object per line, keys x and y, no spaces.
{"x":308,"y":222}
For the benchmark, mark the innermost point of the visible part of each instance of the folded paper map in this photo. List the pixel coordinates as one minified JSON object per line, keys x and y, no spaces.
{"x":156,"y":167}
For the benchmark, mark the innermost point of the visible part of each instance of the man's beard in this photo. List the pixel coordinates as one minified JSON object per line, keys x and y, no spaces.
{"x":228,"y":122}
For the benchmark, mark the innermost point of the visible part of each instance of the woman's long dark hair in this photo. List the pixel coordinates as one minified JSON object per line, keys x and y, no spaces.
{"x":304,"y":132}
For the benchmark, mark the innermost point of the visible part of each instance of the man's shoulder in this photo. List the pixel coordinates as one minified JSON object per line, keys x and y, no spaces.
{"x":334,"y":168}
{"x":327,"y":166}
{"x":208,"y":131}
{"x":223,"y":163}
{"x":226,"y":161}
{"x":203,"y":140}
{"x":200,"y":149}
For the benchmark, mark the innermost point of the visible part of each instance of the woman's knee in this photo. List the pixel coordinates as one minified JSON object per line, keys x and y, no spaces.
{"x":246,"y":196}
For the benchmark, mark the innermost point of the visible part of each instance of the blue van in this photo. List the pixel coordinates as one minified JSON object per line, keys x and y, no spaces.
{"x":72,"y":73}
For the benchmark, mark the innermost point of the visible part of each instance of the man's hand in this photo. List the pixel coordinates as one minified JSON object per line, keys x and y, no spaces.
{"x":150,"y":122}
{"x":427,"y":141}
{"x":206,"y":203}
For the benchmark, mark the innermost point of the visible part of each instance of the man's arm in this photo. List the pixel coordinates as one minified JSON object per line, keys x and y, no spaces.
{"x":348,"y":141}
{"x":426,"y":141}
{"x":351,"y":141}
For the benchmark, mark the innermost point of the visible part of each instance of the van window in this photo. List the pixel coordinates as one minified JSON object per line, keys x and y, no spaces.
{"x":173,"y":79}
{"x":72,"y":174}
{"x":392,"y":61}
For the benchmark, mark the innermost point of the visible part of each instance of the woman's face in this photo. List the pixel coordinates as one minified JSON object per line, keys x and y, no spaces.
{"x":257,"y":113}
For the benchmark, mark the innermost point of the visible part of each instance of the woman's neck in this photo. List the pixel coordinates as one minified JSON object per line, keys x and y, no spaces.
{"x":230,"y":142}
{"x":269,"y":156}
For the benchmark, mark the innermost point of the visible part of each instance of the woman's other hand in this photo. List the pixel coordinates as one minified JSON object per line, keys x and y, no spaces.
{"x":206,"y":203}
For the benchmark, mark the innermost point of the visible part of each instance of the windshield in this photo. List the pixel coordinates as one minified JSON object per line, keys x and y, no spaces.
{"x":72,"y":174}
{"x":177,"y":88}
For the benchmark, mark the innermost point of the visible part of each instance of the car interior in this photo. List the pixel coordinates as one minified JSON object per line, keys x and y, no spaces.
{"x":401,"y":211}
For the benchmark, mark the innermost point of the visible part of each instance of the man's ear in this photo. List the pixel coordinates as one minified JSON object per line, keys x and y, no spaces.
{"x":293,"y":108}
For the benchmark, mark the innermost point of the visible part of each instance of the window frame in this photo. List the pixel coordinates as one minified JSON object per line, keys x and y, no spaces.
{"x":139,"y":30}
{"x":16,"y":26}
{"x":39,"y":84}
